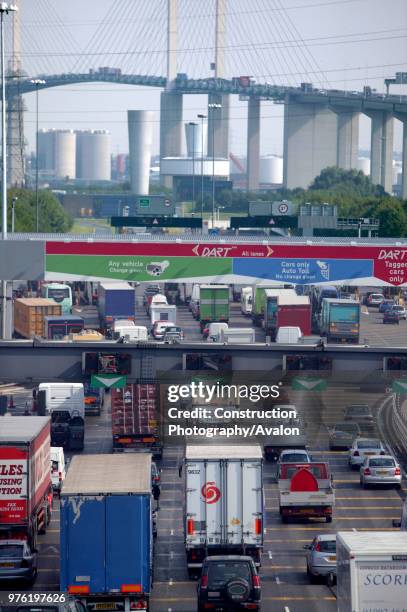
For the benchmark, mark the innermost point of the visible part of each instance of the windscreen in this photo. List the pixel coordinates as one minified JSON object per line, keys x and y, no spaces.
{"x":327,"y":546}
{"x":221,"y":572}
{"x":11,"y":551}
{"x":382,"y":462}
{"x":58,"y":294}
{"x":347,"y":428}
{"x":368,"y":444}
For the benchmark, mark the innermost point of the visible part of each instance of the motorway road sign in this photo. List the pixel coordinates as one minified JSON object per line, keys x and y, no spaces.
{"x":107,"y":381}
{"x":156,"y":221}
{"x":399,"y":386}
{"x":308,"y":384}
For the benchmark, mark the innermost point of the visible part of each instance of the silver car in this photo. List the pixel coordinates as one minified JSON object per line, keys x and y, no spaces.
{"x":380,"y":470}
{"x":362,"y":448}
{"x":17,"y":561}
{"x":342,"y":435}
{"x":321,"y":557}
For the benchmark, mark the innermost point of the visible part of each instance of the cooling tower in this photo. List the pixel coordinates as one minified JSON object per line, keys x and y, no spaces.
{"x":140,"y":125}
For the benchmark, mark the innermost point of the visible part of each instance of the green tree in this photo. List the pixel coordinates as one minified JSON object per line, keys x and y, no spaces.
{"x":52,"y":216}
{"x":346,"y":181}
{"x":392,"y":217}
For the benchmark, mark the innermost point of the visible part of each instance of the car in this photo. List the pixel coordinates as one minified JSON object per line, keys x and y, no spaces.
{"x":18,"y":561}
{"x":359,"y":413}
{"x":173,"y":334}
{"x":362,"y":448}
{"x":374,"y":299}
{"x":391,"y":316}
{"x":150,"y":291}
{"x":229,"y":582}
{"x":342,"y":435}
{"x":159,"y":328}
{"x":294,"y":456}
{"x":321,"y":558}
{"x":400,"y":311}
{"x":386,"y":305}
{"x":380,"y":470}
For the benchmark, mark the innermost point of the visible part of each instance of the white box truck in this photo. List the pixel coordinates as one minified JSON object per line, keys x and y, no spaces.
{"x":371,"y":571}
{"x":65,"y":404}
{"x":238,"y":335}
{"x":163,"y":312}
{"x":224,"y":502}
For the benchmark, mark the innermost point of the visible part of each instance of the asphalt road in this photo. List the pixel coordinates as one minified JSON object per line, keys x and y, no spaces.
{"x":284,"y":581}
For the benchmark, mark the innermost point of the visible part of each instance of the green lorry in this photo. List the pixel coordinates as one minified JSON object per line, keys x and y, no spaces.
{"x":213,"y":304}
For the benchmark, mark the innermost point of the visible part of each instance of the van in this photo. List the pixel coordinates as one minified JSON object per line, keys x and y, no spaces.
{"x":288,"y":335}
{"x":215,"y":330}
{"x":138,"y":333}
{"x":58,"y":472}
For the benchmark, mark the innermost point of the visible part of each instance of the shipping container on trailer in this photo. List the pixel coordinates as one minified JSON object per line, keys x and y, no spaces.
{"x":213,"y":303}
{"x":116,"y":300}
{"x":283,"y":307}
{"x":224,"y":502}
{"x":29,"y":315}
{"x":106,"y":538}
{"x":25,"y":477}
{"x":136,"y":423}
{"x":371,"y":571}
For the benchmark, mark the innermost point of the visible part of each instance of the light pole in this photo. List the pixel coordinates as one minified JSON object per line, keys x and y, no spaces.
{"x":193,"y":125}
{"x":13,"y":205}
{"x":5,"y":9}
{"x":213,"y":107}
{"x":37,"y":83}
{"x":202,"y":117}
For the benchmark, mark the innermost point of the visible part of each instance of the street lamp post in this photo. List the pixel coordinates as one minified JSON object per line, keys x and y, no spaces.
{"x":191,"y":123}
{"x":37,"y":83}
{"x":5,"y":9}
{"x":202,"y":117}
{"x":213,"y":107}
{"x":13,"y":205}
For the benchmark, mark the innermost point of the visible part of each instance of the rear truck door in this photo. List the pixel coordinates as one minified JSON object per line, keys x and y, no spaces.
{"x":234,"y":502}
{"x":252,"y":518}
{"x":212,"y":493}
{"x":83,"y":542}
{"x":128,"y":542}
{"x":195,"y":527}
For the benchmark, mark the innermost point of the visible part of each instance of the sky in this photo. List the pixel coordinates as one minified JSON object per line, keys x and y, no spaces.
{"x":342,"y":44}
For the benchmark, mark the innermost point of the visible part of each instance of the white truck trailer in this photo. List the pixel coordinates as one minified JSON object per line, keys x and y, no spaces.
{"x":224,"y":502}
{"x":371,"y":571}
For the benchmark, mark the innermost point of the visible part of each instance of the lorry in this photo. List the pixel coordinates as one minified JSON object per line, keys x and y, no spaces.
{"x":106,"y":532}
{"x":305,"y":491}
{"x":246,"y":301}
{"x":284,"y":308}
{"x":116,"y":300}
{"x":57,"y":327}
{"x":135,"y":419}
{"x":259,"y":298}
{"x":25,"y":478}
{"x":223,"y":502}
{"x":29,"y":315}
{"x":163,"y":312}
{"x":65,"y":404}
{"x":371,"y":571}
{"x":213,"y":304}
{"x":93,"y":400}
{"x":340,"y":320}
{"x":238,"y":335}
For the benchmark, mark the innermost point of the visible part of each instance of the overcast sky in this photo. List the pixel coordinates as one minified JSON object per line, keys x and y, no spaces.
{"x":344,"y":44}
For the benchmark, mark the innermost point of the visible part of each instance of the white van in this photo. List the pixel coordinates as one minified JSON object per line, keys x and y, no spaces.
{"x":58,"y":471}
{"x":138,"y":333}
{"x":215,"y":330}
{"x":288,"y":335}
{"x":158,"y":298}
{"x":246,"y":301}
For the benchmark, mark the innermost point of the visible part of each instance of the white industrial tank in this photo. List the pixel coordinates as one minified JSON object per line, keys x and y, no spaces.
{"x":363,"y":164}
{"x":94,"y":153}
{"x":271,"y":170}
{"x":140,"y":126}
{"x":65,"y":153}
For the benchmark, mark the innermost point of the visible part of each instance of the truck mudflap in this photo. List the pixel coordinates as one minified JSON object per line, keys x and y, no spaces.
{"x":116,"y":602}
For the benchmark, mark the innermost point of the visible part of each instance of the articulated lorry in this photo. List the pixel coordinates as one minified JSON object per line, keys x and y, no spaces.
{"x":136,"y":420}
{"x":259,"y":300}
{"x":371,"y":571}
{"x":339,"y":320}
{"x":284,"y":308}
{"x":213,"y":304}
{"x":25,"y":478}
{"x":106,"y":539}
{"x":65,"y":404}
{"x":224,"y":502}
{"x":29,"y":315}
{"x":116,"y":301}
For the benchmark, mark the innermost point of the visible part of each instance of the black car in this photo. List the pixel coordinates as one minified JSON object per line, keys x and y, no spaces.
{"x":391,"y":316}
{"x":229,"y":582}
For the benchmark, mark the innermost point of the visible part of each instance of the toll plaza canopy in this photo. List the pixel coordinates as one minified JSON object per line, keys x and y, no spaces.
{"x":202,"y":258}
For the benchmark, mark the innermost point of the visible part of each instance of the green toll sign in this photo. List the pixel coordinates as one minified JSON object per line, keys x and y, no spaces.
{"x":308,"y":384}
{"x":107,"y":381}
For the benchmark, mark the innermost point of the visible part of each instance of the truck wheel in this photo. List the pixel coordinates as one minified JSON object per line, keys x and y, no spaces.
{"x":329,"y":519}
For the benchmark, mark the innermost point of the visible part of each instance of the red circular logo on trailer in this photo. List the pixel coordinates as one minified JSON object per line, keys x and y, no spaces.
{"x":210,"y":493}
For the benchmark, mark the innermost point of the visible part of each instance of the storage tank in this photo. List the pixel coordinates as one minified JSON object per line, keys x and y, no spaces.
{"x":46,"y":150}
{"x":397,"y":171}
{"x":94,"y":153}
{"x":140,"y":124}
{"x":193,"y":136}
{"x":271,"y":170}
{"x":65,"y":153}
{"x":363,"y":164}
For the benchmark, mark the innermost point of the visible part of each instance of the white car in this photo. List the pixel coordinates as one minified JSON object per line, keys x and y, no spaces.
{"x":362,"y":448}
{"x":294,"y":455}
{"x":380,"y":470}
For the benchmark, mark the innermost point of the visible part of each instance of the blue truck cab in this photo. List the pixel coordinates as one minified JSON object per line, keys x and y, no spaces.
{"x":107,"y":531}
